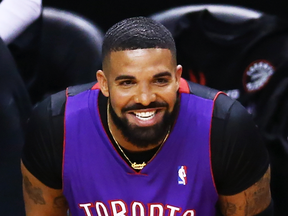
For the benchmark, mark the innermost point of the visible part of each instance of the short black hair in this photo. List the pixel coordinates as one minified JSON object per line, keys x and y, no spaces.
{"x":137,"y":33}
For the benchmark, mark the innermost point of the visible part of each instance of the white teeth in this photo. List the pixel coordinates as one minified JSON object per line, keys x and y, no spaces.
{"x":145,"y":115}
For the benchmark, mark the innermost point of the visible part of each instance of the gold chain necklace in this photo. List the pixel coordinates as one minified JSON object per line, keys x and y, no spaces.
{"x":134,"y":165}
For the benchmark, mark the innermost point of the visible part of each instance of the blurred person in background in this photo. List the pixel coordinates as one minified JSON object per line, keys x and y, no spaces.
{"x":15,"y":17}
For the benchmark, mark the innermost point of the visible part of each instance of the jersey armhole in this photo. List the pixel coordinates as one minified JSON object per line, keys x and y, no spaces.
{"x":198,"y":90}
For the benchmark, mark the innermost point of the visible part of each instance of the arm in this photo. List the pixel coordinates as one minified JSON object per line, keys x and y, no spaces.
{"x":240,"y":161}
{"x":16,"y":16}
{"x":41,"y":163}
{"x":40,"y":199}
{"x":251,"y":201}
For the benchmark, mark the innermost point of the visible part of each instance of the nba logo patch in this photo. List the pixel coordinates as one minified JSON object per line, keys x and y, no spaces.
{"x":182,"y":175}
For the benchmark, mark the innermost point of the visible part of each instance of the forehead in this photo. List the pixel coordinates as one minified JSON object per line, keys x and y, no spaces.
{"x":140,"y":61}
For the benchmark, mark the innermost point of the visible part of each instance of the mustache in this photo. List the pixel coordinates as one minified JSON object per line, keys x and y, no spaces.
{"x":138,"y":106}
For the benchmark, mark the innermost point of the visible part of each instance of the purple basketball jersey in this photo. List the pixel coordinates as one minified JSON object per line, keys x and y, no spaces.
{"x":177,"y":181}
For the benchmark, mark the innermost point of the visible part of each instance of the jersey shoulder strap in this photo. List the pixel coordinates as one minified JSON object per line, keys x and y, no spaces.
{"x":74,"y":90}
{"x":58,"y":99}
{"x":197,"y":89}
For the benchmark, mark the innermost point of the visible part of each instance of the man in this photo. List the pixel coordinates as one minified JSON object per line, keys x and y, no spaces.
{"x":142,"y":141}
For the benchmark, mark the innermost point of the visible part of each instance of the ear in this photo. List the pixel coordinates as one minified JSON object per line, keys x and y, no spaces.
{"x":178,"y":75}
{"x":103,"y":83}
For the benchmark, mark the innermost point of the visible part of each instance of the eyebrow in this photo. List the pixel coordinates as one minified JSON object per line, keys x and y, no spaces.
{"x":166,"y":73}
{"x":121,"y":77}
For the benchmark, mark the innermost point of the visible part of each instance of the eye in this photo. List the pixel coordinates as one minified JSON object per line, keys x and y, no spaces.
{"x":126,"y":82}
{"x":161,"y":81}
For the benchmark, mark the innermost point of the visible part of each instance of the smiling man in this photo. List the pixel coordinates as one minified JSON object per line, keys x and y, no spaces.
{"x":143,"y":141}
{"x":142,"y":98}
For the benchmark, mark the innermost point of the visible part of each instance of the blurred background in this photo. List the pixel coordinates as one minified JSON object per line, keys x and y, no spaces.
{"x":106,"y":13}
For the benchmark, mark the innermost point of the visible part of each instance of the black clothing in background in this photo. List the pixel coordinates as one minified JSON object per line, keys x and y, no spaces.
{"x":222,"y":51}
{"x":25,"y":50}
{"x":14,"y":111}
{"x":107,"y":12}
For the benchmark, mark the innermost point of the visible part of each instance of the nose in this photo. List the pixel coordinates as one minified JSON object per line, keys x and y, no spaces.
{"x":144,"y":95}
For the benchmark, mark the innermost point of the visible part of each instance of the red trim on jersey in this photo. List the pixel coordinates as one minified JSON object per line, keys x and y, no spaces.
{"x":64,"y":140}
{"x":184,"y":87}
{"x":213,"y":179}
{"x":95,"y":86}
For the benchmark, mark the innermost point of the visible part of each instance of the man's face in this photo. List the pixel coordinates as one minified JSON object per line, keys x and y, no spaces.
{"x":142,"y":88}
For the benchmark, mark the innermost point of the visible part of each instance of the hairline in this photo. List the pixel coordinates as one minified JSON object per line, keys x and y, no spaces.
{"x":106,"y":58}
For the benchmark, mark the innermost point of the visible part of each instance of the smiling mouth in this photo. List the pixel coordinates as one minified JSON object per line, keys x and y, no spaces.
{"x":144,"y":116}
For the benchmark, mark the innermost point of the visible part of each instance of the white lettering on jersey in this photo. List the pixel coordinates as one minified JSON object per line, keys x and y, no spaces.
{"x":141,"y":209}
{"x":86,"y":208}
{"x":173,"y":210}
{"x":189,"y":213}
{"x":101,"y":208}
{"x":156,"y":208}
{"x":118,"y":208}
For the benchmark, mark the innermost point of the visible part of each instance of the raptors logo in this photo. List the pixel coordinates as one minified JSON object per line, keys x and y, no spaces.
{"x":257,"y":75}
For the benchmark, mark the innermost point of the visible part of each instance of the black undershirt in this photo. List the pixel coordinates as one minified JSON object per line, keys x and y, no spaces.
{"x":237,"y":153}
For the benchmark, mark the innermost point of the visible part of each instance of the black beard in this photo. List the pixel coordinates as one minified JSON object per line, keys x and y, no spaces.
{"x":143,"y":137}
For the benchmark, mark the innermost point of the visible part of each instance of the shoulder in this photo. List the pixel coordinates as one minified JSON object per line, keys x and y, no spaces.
{"x":74,"y":90}
{"x":58,"y":100}
{"x":222,"y":102}
{"x":197,"y":89}
{"x":43,"y":149}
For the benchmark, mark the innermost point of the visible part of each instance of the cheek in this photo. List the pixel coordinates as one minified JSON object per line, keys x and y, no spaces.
{"x":120,"y":97}
{"x":118,"y":102}
{"x":170,"y":98}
